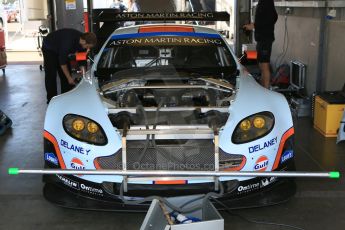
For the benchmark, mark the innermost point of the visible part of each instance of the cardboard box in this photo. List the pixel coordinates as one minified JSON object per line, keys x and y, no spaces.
{"x":211,"y":219}
{"x":327,"y":117}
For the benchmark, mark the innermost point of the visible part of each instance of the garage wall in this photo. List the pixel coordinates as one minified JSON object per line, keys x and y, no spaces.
{"x":314,"y":39}
{"x":303,"y":45}
{"x":335,"y":50}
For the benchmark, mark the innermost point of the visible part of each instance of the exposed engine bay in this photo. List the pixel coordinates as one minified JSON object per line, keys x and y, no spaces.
{"x":168,"y":102}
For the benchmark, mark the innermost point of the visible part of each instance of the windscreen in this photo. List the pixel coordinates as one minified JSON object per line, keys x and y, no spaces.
{"x":194,"y":52}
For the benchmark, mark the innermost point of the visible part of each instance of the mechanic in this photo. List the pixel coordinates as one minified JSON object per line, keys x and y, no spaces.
{"x":118,"y":4}
{"x":265,"y":18}
{"x":56,"y":48}
{"x":133,"y":6}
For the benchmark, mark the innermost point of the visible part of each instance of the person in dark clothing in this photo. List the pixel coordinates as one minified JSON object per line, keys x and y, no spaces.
{"x":118,"y":4}
{"x":265,"y":18}
{"x":56,"y":48}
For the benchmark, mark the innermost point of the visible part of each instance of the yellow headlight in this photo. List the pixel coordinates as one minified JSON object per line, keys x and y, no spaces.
{"x":259,"y":122}
{"x":92,"y":127}
{"x":245,"y":125}
{"x":78,"y":125}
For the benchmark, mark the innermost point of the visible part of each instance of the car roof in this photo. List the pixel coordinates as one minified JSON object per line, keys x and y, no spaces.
{"x":163,"y":26}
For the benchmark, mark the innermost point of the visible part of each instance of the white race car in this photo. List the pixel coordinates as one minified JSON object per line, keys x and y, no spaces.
{"x":169,"y":97}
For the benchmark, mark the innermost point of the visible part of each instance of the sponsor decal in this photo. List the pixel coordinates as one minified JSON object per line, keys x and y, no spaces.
{"x":50,"y":157}
{"x":166,"y":40}
{"x":68,"y":182}
{"x":172,"y":16}
{"x":263,"y":146}
{"x":81,"y":187}
{"x":267,"y":181}
{"x":77,"y":164}
{"x":261,"y":164}
{"x":255,"y":186}
{"x":287,"y":155}
{"x":91,"y":190}
{"x":248,"y":188}
{"x":75,"y":148}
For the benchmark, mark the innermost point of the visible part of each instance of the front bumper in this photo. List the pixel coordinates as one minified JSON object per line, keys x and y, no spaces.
{"x":74,"y":192}
{"x":78,"y":193}
{"x":277,"y":193}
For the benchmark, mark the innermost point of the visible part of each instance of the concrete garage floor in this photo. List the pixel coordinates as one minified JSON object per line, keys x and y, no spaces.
{"x":318,"y":204}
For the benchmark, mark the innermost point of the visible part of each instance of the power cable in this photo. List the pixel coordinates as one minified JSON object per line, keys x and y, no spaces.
{"x":228,"y":210}
{"x":180,"y":209}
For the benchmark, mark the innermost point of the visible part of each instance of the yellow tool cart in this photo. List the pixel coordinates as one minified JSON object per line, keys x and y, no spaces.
{"x":328,"y":112}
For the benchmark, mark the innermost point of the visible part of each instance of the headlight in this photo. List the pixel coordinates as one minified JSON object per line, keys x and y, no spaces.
{"x":245,"y":125}
{"x":84,"y":129}
{"x":92,"y":127}
{"x":253,"y":127}
{"x":78,"y":125}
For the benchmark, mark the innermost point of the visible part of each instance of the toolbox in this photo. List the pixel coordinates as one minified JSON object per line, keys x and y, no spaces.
{"x":328,"y":111}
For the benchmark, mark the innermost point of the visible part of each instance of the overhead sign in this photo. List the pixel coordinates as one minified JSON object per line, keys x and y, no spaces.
{"x":113,"y":15}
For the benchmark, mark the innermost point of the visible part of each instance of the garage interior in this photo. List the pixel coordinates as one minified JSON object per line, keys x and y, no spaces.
{"x":308,"y":32}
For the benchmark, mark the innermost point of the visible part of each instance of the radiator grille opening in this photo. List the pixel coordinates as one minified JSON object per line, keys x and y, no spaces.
{"x":193,"y":155}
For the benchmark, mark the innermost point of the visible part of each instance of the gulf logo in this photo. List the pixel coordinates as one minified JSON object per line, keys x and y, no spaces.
{"x":77,"y":164}
{"x":261,"y":164}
